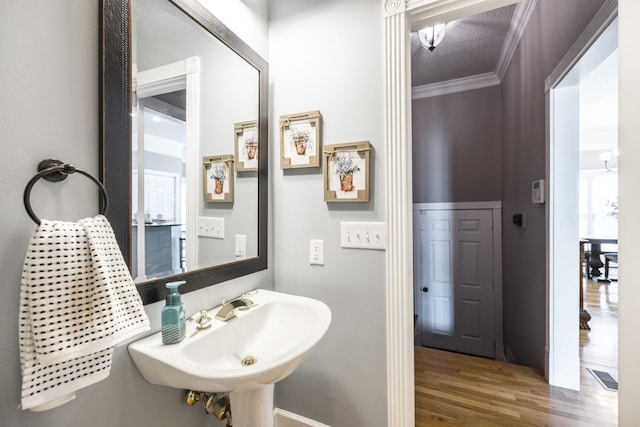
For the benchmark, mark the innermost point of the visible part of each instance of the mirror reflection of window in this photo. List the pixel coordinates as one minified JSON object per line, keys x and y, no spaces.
{"x":159,"y":144}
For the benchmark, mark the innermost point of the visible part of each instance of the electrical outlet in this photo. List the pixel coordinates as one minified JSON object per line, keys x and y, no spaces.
{"x":316,"y":252}
{"x":212,"y":228}
{"x":362,"y":235}
{"x":241,"y":245}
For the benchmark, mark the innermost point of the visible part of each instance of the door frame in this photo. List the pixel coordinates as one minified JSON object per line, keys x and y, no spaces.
{"x":184,"y":74}
{"x":399,"y":17}
{"x":496,"y":213}
{"x":597,"y":41}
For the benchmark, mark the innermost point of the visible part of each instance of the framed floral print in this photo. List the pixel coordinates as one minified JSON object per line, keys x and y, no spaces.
{"x":346,"y":172}
{"x":246,"y":143}
{"x":218,"y":174}
{"x":300,"y":140}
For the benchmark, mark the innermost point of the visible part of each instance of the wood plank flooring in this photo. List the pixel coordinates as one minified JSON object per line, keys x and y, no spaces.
{"x":460,"y":390}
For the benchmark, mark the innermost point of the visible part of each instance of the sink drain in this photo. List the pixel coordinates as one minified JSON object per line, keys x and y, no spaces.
{"x":248,"y":361}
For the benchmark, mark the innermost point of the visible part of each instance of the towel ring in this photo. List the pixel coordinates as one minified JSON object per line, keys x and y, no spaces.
{"x":56,"y":171}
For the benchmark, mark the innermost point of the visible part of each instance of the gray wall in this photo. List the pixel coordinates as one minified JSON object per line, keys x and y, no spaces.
{"x":49,"y":92}
{"x":553,"y":28}
{"x":457,"y":147}
{"x":326,"y":56}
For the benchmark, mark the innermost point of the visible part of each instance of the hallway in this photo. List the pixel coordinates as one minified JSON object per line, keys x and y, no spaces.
{"x":459,"y":390}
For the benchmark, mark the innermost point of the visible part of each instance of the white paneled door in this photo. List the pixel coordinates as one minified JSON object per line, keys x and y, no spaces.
{"x":457,"y":280}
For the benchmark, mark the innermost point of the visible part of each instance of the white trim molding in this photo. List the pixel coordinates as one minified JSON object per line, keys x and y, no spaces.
{"x":447,"y":206}
{"x":457,"y":85}
{"x":398,"y":189}
{"x":605,"y":16}
{"x":399,"y":254}
{"x":392,"y":7}
{"x":519,"y":23}
{"x":421,"y":13}
{"x":594,"y":44}
{"x":282,"y":418}
{"x":192,"y":70}
{"x":179,"y":75}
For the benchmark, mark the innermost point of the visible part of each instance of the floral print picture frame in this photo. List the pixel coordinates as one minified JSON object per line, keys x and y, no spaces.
{"x":346,"y":172}
{"x":300,"y":140}
{"x":246,"y":144}
{"x":218,"y":175}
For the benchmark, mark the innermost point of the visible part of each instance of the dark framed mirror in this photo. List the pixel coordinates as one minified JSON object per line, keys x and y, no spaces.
{"x":176,"y":85}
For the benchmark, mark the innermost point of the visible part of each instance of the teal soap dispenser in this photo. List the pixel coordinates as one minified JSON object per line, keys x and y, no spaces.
{"x":174,"y":319}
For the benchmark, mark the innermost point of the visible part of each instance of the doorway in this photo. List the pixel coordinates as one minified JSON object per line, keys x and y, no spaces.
{"x":458,"y":277}
{"x":168,"y":97}
{"x":567,"y":86}
{"x":159,"y":183}
{"x":398,"y":21}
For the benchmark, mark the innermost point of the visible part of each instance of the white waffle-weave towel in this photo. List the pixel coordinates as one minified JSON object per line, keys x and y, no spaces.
{"x":77,"y":301}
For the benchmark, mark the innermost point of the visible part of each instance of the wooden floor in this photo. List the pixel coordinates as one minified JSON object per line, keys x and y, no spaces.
{"x":459,"y":390}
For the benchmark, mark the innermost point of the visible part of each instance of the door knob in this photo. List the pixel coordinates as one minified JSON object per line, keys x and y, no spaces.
{"x":425,"y":289}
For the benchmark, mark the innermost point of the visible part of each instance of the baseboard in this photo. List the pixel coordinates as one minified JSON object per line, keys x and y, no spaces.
{"x":282,"y":418}
{"x":417,"y":339}
{"x":509,"y":356}
{"x":500,"y":357}
{"x":547,"y":356}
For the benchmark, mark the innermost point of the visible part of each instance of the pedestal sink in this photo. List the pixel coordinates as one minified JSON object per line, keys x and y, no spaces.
{"x":244,"y":356}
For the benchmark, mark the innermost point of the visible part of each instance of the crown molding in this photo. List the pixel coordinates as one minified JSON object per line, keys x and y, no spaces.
{"x":421,"y":13}
{"x":456,"y":85}
{"x":519,"y":23}
{"x":589,"y":37}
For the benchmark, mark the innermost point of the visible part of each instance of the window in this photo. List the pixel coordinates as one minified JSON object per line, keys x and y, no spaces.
{"x":598,"y":203}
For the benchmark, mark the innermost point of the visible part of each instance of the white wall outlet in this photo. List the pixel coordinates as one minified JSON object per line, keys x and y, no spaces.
{"x":212,"y":228}
{"x":316,"y":252}
{"x":241,"y":245}
{"x":363,"y":235}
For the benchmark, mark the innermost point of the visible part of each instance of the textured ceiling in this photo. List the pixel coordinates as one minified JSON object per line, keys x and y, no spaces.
{"x":471,"y":46}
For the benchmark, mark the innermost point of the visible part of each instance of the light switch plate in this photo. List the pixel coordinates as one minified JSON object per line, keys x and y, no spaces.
{"x":316,"y":252}
{"x":210,"y":227}
{"x":241,"y":245}
{"x":363,"y":235}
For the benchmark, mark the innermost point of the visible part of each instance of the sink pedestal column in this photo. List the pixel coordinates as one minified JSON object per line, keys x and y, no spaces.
{"x":252,"y":408}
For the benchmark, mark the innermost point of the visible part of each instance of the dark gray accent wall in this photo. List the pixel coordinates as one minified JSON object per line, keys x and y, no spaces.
{"x":552,"y":29}
{"x":457,"y":147}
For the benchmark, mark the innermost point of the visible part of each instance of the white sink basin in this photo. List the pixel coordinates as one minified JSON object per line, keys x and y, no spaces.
{"x":279,"y":331}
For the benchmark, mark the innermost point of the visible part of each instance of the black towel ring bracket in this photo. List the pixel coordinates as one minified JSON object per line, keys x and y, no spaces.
{"x":56,"y":171}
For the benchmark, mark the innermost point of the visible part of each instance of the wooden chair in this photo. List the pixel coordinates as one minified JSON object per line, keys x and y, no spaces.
{"x":587,"y":267}
{"x":608,"y":258}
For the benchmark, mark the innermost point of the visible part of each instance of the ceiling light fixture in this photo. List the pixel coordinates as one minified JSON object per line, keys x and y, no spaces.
{"x":606,"y":156}
{"x":430,"y":37}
